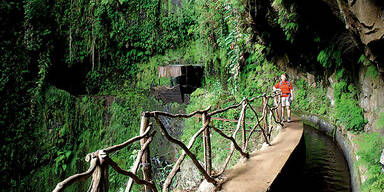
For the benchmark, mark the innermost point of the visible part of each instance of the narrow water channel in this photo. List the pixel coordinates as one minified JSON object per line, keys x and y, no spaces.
{"x":325,"y":166}
{"x":317,"y":165}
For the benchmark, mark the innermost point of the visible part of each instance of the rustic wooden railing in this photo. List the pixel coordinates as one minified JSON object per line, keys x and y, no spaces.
{"x":100,"y":160}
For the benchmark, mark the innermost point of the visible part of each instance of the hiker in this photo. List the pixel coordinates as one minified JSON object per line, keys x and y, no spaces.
{"x":286,"y":95}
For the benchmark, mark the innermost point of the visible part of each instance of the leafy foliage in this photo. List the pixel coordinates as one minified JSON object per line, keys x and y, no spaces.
{"x":347,"y":109}
{"x":311,"y":99}
{"x":330,"y":57}
{"x":105,"y":38}
{"x":371,"y":145}
{"x":119,"y":45}
{"x":260,"y":74}
{"x":287,"y":19}
{"x":372,"y":72}
{"x":216,"y":96}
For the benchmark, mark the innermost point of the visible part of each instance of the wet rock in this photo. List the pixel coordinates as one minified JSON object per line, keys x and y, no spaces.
{"x":311,"y":80}
{"x":382,"y":161}
{"x":331,"y":95}
{"x":371,"y":97}
{"x":365,"y":19}
{"x":205,"y":186}
{"x":188,"y":177}
{"x":332,"y":79}
{"x":370,"y":16}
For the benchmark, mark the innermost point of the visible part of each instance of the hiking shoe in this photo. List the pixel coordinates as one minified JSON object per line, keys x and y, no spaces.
{"x":283,"y":119}
{"x":289,"y":119}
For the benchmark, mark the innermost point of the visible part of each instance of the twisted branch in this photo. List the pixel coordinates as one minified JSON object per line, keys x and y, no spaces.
{"x":258,"y":123}
{"x":178,"y":115}
{"x":176,"y":167}
{"x":77,"y":178}
{"x":237,"y":147}
{"x":126,"y":143}
{"x":138,"y":159}
{"x":129,"y":174}
{"x":185,"y":148}
{"x":232,"y":145}
{"x":225,"y":109}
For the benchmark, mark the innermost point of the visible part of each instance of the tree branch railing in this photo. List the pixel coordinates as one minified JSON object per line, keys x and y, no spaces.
{"x":100,"y":160}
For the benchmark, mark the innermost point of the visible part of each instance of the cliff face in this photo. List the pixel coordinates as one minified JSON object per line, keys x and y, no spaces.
{"x":336,"y":55}
{"x":365,"y":20}
{"x":371,"y":98}
{"x":350,"y":37}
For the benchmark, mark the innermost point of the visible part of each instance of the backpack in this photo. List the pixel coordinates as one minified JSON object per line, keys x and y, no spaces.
{"x":289,"y":95}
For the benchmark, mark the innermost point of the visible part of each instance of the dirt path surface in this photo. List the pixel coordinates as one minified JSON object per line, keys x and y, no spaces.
{"x":257,"y":173}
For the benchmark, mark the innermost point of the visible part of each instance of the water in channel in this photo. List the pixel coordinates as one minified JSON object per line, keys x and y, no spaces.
{"x":325,"y":166}
{"x":317,"y":165}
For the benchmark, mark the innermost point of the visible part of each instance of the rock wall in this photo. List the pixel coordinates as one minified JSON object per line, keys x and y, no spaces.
{"x":371,"y":97}
{"x":370,"y":89}
{"x":365,"y":20}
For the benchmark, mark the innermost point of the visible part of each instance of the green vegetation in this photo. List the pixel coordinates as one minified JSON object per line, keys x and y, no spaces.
{"x":217,"y":97}
{"x":49,"y":130}
{"x":330,"y":57}
{"x":259,"y":75}
{"x":75,"y":76}
{"x":347,"y":110}
{"x":287,"y":18}
{"x":311,"y":99}
{"x":371,"y":146}
{"x":98,"y":122}
{"x":372,"y":72}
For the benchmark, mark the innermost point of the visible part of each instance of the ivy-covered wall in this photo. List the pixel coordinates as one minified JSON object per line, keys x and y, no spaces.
{"x":68,"y":80}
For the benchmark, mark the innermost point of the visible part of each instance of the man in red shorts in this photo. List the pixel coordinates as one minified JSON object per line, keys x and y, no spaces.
{"x":286,"y":95}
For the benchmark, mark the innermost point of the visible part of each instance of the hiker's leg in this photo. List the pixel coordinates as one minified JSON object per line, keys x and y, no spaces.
{"x":284,"y":106}
{"x":289,"y":112}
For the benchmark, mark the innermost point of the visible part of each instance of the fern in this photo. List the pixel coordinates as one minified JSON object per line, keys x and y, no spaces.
{"x":287,"y":20}
{"x":371,"y":72}
{"x":371,"y":146}
{"x":277,"y":2}
{"x":330,"y":57}
{"x":361,"y":59}
{"x":347,"y":110}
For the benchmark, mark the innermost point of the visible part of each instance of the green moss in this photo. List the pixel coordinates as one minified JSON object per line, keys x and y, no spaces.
{"x":311,"y":99}
{"x":371,"y":145}
{"x":259,"y":75}
{"x":72,"y":127}
{"x":287,"y":18}
{"x":371,"y":72}
{"x":330,"y":56}
{"x":347,"y":109}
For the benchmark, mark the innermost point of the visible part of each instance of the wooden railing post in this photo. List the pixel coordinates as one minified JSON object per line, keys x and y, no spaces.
{"x":244,"y":137}
{"x":265,"y":112}
{"x":207,"y":145}
{"x":278,"y":104}
{"x":145,"y":160}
